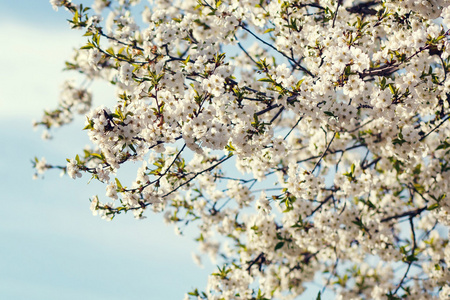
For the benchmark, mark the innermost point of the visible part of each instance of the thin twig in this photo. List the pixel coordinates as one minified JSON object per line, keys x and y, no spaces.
{"x":323,"y":154}
{"x":336,"y":12}
{"x":331,"y":273}
{"x":161,"y":175}
{"x":410,"y":261}
{"x":245,"y":51}
{"x":299,"y":119}
{"x":411,"y":213}
{"x":439,"y":125}
{"x":195,"y":176}
{"x":273,"y":47}
{"x":277,"y":115}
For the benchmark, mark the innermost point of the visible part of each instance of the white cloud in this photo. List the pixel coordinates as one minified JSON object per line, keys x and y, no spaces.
{"x":31,"y":67}
{"x":32,"y":59}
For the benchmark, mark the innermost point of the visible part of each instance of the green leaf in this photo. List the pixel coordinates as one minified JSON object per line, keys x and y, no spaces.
{"x":88,"y":46}
{"x":319,"y":296}
{"x":299,"y":83}
{"x":269,"y":30}
{"x":110,"y":51}
{"x":99,"y":156}
{"x":399,"y":141}
{"x":391,"y":87}
{"x":75,"y":17}
{"x":119,"y":185}
{"x":420,"y":188}
{"x":194,"y":293}
{"x":392,"y":296}
{"x":411,"y":258}
{"x":187,"y":59}
{"x":96,"y":39}
{"x":433,"y":206}
{"x":444,"y":145}
{"x":416,"y":170}
{"x":230,"y":147}
{"x":279,"y":245}
{"x":88,"y":126}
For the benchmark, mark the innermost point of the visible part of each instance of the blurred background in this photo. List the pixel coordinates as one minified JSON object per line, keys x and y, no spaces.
{"x":51,"y":245}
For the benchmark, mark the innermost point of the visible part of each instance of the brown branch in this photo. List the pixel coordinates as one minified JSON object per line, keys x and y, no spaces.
{"x":389,"y":68}
{"x":410,"y":261}
{"x":277,"y":115}
{"x":259,"y":260}
{"x":411,"y":213}
{"x":336,"y":12}
{"x":364,"y":8}
{"x":373,"y":162}
{"x":385,"y":70}
{"x":439,"y":125}
{"x":323,"y":154}
{"x":333,"y":152}
{"x":197,"y":174}
{"x":287,"y":134}
{"x":282,"y":53}
{"x":160,"y":176}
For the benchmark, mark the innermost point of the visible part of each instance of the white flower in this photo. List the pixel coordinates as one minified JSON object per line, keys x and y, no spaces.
{"x":73,"y":169}
{"x":94,"y":57}
{"x":94,"y":205}
{"x":445,"y":293}
{"x":41,"y":166}
{"x":56,"y":3}
{"x":126,"y":73}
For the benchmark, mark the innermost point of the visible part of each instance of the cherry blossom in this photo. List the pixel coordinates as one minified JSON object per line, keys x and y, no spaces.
{"x":307,"y":141}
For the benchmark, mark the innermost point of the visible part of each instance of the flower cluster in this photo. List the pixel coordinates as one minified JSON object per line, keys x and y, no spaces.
{"x":305,"y":139}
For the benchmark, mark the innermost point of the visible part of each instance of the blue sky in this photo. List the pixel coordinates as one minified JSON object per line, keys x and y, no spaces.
{"x":52,"y":247}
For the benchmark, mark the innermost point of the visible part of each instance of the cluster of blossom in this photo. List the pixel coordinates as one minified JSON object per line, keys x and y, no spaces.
{"x":72,"y":101}
{"x":304,"y":138}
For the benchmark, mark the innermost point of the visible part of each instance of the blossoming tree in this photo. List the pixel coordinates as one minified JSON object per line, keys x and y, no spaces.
{"x":308,"y":140}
